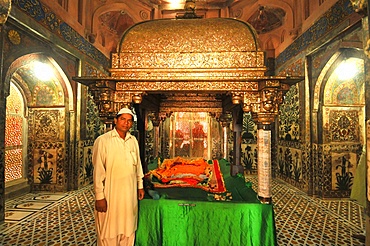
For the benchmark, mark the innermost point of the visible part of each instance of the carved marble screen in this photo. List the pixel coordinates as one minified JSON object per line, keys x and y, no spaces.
{"x":190,"y":134}
{"x":14,"y":126}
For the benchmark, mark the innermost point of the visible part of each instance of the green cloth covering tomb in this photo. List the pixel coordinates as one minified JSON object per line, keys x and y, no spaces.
{"x":187,"y":216}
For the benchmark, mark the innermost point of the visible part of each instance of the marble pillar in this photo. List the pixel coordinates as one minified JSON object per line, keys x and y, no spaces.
{"x":225,"y":149}
{"x":264,"y":163}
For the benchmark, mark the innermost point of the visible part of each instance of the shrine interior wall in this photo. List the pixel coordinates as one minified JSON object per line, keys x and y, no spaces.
{"x":320,"y":129}
{"x":59,"y":120}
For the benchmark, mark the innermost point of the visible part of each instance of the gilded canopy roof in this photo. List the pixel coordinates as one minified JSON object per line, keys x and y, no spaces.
{"x":189,"y":35}
{"x":202,"y":65}
{"x":188,"y":49}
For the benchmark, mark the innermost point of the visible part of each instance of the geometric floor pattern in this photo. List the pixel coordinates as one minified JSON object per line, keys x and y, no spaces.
{"x":67,"y":219}
{"x":304,"y":220}
{"x":317,"y":222}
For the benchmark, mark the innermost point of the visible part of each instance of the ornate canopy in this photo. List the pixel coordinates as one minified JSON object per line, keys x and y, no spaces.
{"x":207,"y":65}
{"x":189,"y":36}
{"x":169,"y":50}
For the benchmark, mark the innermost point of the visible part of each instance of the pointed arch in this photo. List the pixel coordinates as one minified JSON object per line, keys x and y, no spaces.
{"x":25,"y":62}
{"x":47,"y":106}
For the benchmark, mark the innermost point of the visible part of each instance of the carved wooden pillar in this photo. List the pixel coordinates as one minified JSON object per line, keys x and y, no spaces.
{"x":236,"y":166}
{"x":156,"y":123}
{"x":163,"y":137}
{"x":225,"y":120}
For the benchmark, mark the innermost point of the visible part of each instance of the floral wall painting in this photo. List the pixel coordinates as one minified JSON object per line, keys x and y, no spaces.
{"x":343,"y":170}
{"x":47,"y":125}
{"x":86,"y":174}
{"x":249,"y":158}
{"x":249,"y":130}
{"x":343,"y":125}
{"x":45,"y":166}
{"x":290,"y":163}
{"x":289,"y":116}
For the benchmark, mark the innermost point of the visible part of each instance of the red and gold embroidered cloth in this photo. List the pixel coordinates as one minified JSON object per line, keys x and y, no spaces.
{"x":180,"y":172}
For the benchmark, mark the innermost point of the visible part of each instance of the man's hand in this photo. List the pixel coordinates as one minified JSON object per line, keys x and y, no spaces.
{"x":101,"y":205}
{"x":140,"y":194}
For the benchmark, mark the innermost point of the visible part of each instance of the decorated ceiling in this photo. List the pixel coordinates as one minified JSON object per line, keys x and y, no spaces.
{"x":112,"y":18}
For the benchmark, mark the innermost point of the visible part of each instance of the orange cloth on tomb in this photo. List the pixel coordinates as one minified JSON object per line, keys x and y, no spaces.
{"x":182,"y":169}
{"x":196,"y":173}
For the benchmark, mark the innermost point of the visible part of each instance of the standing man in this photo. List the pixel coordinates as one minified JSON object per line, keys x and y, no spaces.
{"x":118,"y":183}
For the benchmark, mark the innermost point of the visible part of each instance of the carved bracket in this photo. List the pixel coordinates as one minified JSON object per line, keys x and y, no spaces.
{"x":264,"y":103}
{"x":359,"y":6}
{"x":110,"y":101}
{"x":225,"y":119}
{"x":154,"y":117}
{"x":259,"y":95}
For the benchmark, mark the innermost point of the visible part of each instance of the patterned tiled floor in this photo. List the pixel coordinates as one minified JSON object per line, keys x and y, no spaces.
{"x":303,"y":220}
{"x":67,"y":219}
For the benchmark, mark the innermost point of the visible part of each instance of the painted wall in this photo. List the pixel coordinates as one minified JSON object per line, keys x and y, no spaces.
{"x":321,"y":129}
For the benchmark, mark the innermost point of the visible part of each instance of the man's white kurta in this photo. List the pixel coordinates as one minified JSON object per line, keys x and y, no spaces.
{"x":117,"y":177}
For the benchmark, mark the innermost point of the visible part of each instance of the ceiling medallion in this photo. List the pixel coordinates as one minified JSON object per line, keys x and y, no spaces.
{"x":5,"y":6}
{"x":14,"y":37}
{"x":238,"y":13}
{"x":144,"y":15}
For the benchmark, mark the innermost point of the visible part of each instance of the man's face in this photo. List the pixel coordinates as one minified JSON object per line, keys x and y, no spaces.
{"x":124,"y":122}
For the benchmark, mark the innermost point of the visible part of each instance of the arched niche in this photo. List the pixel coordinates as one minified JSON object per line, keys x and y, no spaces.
{"x":339,"y":113}
{"x":48,"y":107}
